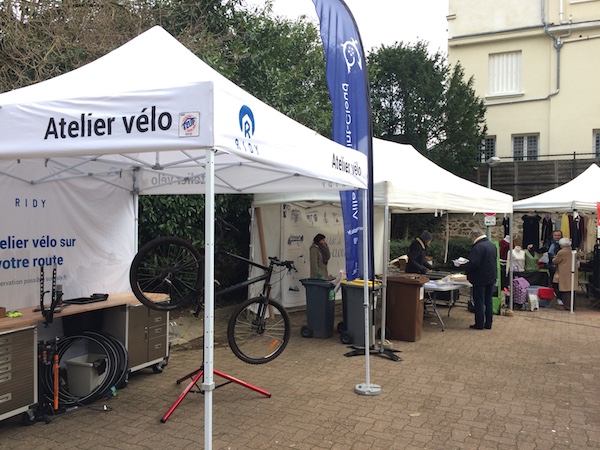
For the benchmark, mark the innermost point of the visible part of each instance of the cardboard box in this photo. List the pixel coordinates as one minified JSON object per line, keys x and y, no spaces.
{"x":2,"y":312}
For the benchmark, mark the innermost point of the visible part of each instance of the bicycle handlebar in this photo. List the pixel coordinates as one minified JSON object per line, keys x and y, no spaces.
{"x":289,"y":265}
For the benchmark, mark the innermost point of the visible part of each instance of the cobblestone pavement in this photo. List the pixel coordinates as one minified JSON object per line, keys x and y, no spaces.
{"x":532,"y":382}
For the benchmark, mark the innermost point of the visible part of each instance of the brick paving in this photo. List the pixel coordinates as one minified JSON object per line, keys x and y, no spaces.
{"x":532,"y":382}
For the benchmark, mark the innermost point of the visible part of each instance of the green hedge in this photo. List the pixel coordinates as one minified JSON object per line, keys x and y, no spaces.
{"x":457,"y":247}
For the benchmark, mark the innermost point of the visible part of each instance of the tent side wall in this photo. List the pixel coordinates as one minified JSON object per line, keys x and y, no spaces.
{"x":288,"y":232}
{"x":84,"y":227}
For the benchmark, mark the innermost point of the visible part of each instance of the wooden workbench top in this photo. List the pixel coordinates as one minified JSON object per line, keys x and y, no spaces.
{"x":29,"y":317}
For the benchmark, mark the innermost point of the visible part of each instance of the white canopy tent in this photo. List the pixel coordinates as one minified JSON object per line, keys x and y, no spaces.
{"x":150,"y":117}
{"x":580,"y":194}
{"x":405,"y":181}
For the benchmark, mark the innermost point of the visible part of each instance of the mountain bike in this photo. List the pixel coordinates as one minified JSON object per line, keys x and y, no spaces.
{"x":168,"y":273}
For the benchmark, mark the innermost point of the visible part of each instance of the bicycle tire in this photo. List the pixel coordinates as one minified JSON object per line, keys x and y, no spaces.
{"x":167,"y":273}
{"x":255,"y":338}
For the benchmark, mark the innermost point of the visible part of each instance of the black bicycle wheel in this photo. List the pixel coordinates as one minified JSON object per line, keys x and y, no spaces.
{"x":167,"y":273}
{"x":259,"y":330}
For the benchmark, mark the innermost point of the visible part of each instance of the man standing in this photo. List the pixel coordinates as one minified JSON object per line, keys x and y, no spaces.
{"x":482,"y":273}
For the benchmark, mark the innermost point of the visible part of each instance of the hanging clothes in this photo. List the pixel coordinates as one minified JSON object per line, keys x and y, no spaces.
{"x":564,"y":225}
{"x":531,"y":231}
{"x":547,"y":229}
{"x":504,"y":247}
{"x":506,"y":225}
{"x":577,"y":230}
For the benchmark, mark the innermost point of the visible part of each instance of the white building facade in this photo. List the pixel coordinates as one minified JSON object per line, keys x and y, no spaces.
{"x":536,"y":64}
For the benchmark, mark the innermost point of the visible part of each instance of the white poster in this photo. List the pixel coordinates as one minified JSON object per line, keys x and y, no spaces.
{"x":299,"y":227}
{"x":83,"y":228}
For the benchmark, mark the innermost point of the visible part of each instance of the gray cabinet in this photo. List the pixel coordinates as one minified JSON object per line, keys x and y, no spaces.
{"x":144,"y":331}
{"x":18,"y":371}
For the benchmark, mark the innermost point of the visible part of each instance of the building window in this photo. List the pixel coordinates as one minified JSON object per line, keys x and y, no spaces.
{"x":505,"y":73}
{"x":525,"y":147}
{"x":597,"y":143}
{"x":489,"y":148}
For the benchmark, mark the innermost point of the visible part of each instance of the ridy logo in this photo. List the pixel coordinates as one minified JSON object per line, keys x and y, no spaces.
{"x":352,"y":54}
{"x":189,"y":124}
{"x":247,"y":126}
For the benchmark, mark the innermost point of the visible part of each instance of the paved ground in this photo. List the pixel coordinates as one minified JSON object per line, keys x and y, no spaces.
{"x":533,"y":382}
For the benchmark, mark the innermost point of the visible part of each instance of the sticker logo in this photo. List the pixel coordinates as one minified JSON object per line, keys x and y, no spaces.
{"x":189,"y":124}
{"x":352,"y":54}
{"x":247,"y":124}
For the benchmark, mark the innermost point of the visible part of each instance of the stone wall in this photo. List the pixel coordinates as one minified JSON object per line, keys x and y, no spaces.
{"x":461,"y":224}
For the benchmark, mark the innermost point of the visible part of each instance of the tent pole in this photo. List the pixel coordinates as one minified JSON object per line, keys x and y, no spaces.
{"x":573,"y":252}
{"x":208,"y":384}
{"x":261,"y":235}
{"x":386,"y":257}
{"x":509,"y":260}
{"x":366,"y":388}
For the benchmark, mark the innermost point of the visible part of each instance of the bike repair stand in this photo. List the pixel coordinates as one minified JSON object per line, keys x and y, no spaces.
{"x":196,"y":376}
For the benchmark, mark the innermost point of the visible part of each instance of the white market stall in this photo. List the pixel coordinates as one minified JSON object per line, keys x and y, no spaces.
{"x":578,"y":195}
{"x":149,"y":117}
{"x":405,"y":181}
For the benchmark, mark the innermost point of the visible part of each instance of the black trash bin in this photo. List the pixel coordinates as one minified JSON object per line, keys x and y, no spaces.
{"x":320,"y":308}
{"x":404,"y":306}
{"x":352,"y":329}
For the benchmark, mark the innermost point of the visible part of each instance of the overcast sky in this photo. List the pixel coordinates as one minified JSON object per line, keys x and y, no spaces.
{"x":384,"y":21}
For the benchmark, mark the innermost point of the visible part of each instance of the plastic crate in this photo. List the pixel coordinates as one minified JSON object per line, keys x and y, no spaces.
{"x":85,"y":373}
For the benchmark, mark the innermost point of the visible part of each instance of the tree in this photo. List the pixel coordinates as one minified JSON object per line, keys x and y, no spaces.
{"x":407,"y":93}
{"x":464,"y":130}
{"x":418,"y":100}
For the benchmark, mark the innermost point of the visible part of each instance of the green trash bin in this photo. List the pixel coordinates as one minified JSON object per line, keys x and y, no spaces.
{"x":320,"y":308}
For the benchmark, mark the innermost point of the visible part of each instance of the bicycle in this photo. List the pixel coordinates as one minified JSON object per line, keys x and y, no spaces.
{"x":168,"y":272}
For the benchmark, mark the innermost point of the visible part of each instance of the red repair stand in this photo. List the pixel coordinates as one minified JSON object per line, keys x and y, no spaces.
{"x":196,"y":375}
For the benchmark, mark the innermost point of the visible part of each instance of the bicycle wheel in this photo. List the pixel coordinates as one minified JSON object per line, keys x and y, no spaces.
{"x":167,"y":273}
{"x":259,"y":330}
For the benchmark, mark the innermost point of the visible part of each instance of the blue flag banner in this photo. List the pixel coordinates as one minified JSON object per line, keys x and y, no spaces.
{"x":348,"y":84}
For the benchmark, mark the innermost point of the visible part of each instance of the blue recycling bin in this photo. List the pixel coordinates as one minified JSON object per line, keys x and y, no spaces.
{"x":320,"y":308}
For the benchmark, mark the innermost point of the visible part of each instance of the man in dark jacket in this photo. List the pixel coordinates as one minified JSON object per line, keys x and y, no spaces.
{"x":482,"y":273}
{"x":416,"y":254}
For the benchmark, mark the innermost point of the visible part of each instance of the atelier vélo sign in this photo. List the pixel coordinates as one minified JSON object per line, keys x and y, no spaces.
{"x":88,"y":126}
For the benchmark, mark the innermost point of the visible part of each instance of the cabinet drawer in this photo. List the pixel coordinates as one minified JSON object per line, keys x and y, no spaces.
{"x":157,"y":348}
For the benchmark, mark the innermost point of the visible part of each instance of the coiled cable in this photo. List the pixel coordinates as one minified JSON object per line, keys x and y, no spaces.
{"x":116,"y":369}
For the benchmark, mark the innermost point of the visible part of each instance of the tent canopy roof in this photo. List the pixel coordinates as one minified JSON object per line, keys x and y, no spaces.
{"x":407,"y":181}
{"x":579,"y":194}
{"x":152,"y":108}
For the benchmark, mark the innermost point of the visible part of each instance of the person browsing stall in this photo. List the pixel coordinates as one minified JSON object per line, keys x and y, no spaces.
{"x":481,"y":270}
{"x":319,"y":257}
{"x":552,"y":251}
{"x":417,"y":251}
{"x":563,"y":274}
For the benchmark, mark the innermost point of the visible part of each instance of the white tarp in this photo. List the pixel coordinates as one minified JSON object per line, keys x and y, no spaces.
{"x":160,"y":107}
{"x":139,"y":120}
{"x":580,"y":194}
{"x":407,"y":181}
{"x":83,"y":227}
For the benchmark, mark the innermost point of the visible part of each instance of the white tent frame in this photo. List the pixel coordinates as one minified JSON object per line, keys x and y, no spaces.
{"x":155,"y":67}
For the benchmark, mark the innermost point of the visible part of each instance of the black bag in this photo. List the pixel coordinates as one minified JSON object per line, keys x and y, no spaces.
{"x":471,"y":305}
